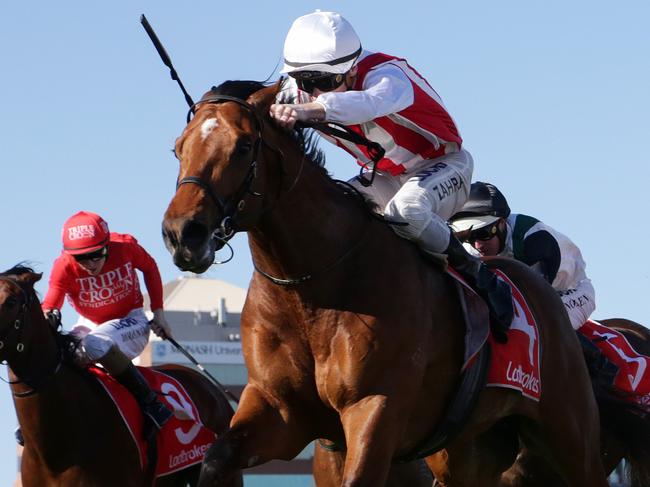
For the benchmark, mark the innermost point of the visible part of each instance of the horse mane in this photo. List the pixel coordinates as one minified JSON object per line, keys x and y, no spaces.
{"x":17,"y":270}
{"x":307,"y":138}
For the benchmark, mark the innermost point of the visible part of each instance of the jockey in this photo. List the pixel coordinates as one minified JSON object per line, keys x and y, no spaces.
{"x":424,"y":176}
{"x":96,"y":270}
{"x":488,"y":227}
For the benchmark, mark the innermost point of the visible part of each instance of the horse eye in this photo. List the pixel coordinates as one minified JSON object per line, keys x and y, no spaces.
{"x":10,"y":302}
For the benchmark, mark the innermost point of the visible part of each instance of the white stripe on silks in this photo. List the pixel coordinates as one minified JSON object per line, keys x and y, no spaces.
{"x":418,"y":80}
{"x":423,"y":85}
{"x":405,"y":122}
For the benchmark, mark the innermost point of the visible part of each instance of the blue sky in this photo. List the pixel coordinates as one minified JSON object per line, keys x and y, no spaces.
{"x":551,"y":99}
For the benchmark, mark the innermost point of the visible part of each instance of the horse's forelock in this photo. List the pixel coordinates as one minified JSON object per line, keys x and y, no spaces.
{"x":241,"y":89}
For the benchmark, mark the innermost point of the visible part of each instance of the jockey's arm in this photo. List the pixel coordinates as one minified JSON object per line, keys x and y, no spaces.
{"x":388,"y":90}
{"x":542,"y":253}
{"x":385,"y":90}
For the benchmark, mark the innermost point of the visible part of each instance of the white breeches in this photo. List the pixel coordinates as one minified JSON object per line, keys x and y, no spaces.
{"x":425,"y":197}
{"x":130,"y":334}
{"x":579,"y":302}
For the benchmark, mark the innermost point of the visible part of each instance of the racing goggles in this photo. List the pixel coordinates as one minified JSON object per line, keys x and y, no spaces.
{"x":308,"y":81}
{"x":484,"y":233}
{"x":92,"y":256}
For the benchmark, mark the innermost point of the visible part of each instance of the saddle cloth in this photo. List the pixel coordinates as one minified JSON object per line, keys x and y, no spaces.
{"x":633,"y":378}
{"x":180,"y":443}
{"x":515,"y":364}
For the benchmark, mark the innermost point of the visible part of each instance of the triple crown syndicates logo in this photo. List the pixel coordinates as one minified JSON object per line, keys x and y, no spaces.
{"x":81,"y":231}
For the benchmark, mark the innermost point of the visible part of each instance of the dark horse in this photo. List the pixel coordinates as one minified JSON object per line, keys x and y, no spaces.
{"x":348,"y":334}
{"x":73,"y":434}
{"x":625,"y":435}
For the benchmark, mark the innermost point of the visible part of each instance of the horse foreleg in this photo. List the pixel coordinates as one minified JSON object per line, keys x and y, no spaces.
{"x":371,"y":430}
{"x":258,"y":432}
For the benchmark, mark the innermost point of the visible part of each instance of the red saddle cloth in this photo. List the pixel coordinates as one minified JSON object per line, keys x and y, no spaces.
{"x":633,"y":378}
{"x":515,"y":364}
{"x":181,"y":443}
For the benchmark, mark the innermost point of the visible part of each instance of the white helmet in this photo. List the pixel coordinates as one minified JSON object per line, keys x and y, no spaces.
{"x":321,"y":41}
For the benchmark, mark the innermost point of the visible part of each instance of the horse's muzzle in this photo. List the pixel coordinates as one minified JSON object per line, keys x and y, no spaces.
{"x":190,"y":243}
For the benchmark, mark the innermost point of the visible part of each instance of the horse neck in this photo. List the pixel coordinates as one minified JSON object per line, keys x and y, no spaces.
{"x":313,"y":223}
{"x":32,"y":366}
{"x":49,"y":409}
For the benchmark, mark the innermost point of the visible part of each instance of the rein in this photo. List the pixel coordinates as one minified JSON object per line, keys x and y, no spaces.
{"x":292,"y":281}
{"x":19,"y":324}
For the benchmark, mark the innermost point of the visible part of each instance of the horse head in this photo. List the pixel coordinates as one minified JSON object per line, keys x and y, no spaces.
{"x":18,"y":306}
{"x":222,"y":159}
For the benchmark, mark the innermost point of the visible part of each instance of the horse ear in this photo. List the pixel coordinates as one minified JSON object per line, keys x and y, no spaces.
{"x":30,"y":278}
{"x":264,"y":98}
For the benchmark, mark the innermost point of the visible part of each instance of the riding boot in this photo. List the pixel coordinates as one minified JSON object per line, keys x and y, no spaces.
{"x":134,"y":381}
{"x":600,"y":368}
{"x":494,"y":291}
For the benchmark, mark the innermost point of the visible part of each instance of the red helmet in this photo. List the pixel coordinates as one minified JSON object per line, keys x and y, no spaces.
{"x":84,"y":232}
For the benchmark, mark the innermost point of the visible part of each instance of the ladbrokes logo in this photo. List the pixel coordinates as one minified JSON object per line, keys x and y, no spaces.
{"x":81,"y":231}
{"x":107,"y":288}
{"x":525,"y":379}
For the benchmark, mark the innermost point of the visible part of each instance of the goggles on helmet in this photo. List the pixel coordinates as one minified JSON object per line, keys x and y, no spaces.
{"x":308,"y":81}
{"x":92,"y":256}
{"x":484,"y":233}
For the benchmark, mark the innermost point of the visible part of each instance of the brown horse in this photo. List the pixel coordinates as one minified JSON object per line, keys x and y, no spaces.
{"x":73,"y":434}
{"x":329,"y":466}
{"x":624,"y":434}
{"x":348,"y":334}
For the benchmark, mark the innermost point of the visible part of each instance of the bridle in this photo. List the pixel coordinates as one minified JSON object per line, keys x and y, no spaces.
{"x":228,"y":207}
{"x":17,"y":327}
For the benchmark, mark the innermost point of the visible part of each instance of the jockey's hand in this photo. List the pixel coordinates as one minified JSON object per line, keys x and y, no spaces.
{"x":159,"y":324}
{"x":53,"y":316}
{"x":288,"y":114}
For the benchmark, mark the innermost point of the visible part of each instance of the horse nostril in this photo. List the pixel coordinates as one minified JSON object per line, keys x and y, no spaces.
{"x":194,"y":233}
{"x":169,"y":236}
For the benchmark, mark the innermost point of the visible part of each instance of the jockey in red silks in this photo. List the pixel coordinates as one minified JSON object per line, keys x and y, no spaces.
{"x":489,"y":228}
{"x":424,"y":176}
{"x":96,"y":270}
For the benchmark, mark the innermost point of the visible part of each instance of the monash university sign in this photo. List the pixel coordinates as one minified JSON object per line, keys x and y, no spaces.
{"x":203,"y":352}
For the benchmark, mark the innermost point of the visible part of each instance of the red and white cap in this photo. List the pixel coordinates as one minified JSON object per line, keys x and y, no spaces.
{"x":83,"y":233}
